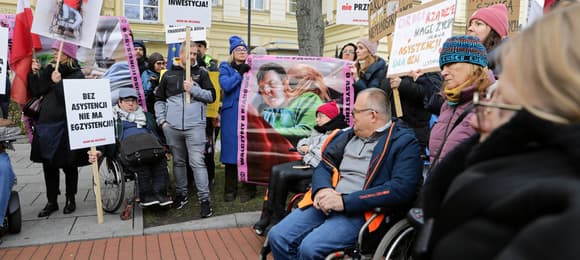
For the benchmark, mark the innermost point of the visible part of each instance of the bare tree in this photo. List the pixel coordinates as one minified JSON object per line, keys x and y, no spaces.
{"x":310,"y":27}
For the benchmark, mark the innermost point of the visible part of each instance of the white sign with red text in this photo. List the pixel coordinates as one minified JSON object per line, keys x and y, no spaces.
{"x":3,"y":59}
{"x":176,"y":34}
{"x":353,"y":12}
{"x":88,"y":112}
{"x":187,"y":12}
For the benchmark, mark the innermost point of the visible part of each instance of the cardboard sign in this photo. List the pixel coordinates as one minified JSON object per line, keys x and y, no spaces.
{"x":513,"y":8}
{"x":3,"y":59}
{"x":89,"y":113}
{"x":419,"y":35}
{"x":187,"y":12}
{"x":352,"y":12}
{"x":379,"y":19}
{"x":74,"y":24}
{"x":176,"y":34}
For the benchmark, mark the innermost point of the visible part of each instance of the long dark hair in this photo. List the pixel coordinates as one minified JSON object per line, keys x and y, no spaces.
{"x":346,"y":45}
{"x":491,"y":41}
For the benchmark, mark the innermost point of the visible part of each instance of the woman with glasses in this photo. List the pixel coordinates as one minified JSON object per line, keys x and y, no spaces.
{"x":511,"y":192}
{"x":150,"y":78}
{"x":231,"y":75}
{"x":348,"y":52}
{"x":463,"y":61}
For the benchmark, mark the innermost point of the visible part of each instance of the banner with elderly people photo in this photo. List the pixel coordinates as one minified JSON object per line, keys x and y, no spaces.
{"x":419,"y":34}
{"x":277,"y":107}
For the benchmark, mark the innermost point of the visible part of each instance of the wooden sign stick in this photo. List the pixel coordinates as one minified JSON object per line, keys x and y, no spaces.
{"x":97,"y":183}
{"x":187,"y":61}
{"x":58,"y":55}
{"x":397,"y":99}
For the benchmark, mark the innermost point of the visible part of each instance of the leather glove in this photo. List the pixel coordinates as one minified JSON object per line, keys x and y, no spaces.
{"x":244,"y":68}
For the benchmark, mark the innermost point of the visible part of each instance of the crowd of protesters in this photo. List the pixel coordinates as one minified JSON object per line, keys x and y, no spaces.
{"x":507,"y":126}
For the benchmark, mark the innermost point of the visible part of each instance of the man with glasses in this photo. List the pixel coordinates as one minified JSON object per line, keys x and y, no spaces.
{"x":184,"y":125}
{"x":378,"y":163}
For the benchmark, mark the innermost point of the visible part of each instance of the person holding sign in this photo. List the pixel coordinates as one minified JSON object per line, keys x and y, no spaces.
{"x":231,"y":74}
{"x":463,"y":61}
{"x":490,"y":25}
{"x":50,"y":142}
{"x":369,"y":70}
{"x":184,"y":124}
{"x":131,"y":120}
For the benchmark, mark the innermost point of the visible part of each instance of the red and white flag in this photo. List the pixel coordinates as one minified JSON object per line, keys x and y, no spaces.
{"x":23,"y":41}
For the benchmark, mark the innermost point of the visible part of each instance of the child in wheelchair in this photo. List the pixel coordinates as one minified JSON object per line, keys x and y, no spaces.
{"x":138,"y":149}
{"x":284,"y":177}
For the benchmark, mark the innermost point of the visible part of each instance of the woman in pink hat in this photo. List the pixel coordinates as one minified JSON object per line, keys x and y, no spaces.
{"x":490,"y":25}
{"x":50,"y":143}
{"x":369,"y":69}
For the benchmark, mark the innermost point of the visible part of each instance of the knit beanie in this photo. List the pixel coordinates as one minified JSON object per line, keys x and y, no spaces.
{"x":330,"y":109}
{"x":67,"y":48}
{"x":495,"y":16}
{"x":236,"y":41}
{"x":371,"y":46}
{"x":463,"y":49}
{"x":153,"y":58}
{"x":139,"y":43}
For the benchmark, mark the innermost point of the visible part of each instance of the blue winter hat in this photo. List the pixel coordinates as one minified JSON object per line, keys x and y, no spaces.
{"x":236,"y":41}
{"x":463,"y":49}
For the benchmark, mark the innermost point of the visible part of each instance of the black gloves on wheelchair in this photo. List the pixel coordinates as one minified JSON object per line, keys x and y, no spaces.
{"x":243,"y":68}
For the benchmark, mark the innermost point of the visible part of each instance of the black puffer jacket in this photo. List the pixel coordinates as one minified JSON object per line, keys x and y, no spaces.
{"x":514,"y":196}
{"x":52,"y":118}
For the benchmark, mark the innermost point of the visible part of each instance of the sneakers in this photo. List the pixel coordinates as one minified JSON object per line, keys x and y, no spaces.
{"x":206,"y":210}
{"x":164,"y":200}
{"x":261,"y":225}
{"x":148,"y":201}
{"x":180,"y":201}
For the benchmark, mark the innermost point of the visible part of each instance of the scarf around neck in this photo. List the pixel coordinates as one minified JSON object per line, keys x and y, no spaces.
{"x":137,"y":117}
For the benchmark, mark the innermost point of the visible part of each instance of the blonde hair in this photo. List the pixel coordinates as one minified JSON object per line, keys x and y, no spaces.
{"x":368,"y":61}
{"x":548,"y":75}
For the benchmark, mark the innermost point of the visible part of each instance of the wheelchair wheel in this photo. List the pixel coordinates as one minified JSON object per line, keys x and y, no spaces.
{"x":112,"y":184}
{"x":397,"y":243}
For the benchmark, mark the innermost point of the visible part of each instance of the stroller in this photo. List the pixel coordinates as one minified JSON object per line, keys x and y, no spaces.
{"x":9,"y":199}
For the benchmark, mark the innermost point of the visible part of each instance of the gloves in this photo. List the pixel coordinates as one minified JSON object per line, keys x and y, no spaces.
{"x":244,"y":68}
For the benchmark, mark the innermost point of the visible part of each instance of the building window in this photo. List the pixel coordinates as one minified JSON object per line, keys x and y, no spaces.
{"x":215,"y":2}
{"x":142,"y":10}
{"x":292,"y":6}
{"x":256,"y":4}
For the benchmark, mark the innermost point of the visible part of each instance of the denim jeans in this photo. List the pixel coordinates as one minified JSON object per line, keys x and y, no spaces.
{"x":152,"y":178}
{"x":6,"y":182}
{"x":183,"y":143}
{"x":310,"y":234}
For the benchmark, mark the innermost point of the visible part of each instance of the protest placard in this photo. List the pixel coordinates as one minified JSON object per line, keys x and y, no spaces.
{"x":75,"y":24}
{"x":176,"y":34}
{"x":513,"y":8}
{"x":3,"y":58}
{"x":187,"y":12}
{"x":419,"y":35}
{"x":382,"y":16}
{"x":352,"y":12}
{"x":89,"y":113}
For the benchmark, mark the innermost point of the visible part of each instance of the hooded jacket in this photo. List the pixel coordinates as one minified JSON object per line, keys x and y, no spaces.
{"x":170,"y":105}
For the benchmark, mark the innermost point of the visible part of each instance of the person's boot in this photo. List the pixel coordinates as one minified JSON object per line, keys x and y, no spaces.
{"x":48,"y":209}
{"x":70,"y":205}
{"x":230,"y":187}
{"x":264,"y":221}
{"x":248,"y":192}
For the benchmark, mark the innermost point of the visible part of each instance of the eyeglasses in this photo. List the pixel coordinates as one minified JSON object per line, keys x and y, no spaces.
{"x":483,"y":108}
{"x":160,"y":63}
{"x":240,"y":50}
{"x":129,"y":100}
{"x":348,"y":52}
{"x":355,"y":111}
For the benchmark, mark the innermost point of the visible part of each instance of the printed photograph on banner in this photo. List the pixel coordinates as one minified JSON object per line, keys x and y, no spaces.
{"x":176,"y":34}
{"x":418,"y":37}
{"x":352,"y":12}
{"x":278,"y":102}
{"x":89,"y":112}
{"x":73,"y":21}
{"x":3,"y":59}
{"x":111,"y":56}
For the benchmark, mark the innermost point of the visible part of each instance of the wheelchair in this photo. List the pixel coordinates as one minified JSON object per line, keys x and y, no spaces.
{"x":12,"y":222}
{"x":114,"y":181}
{"x":57,"y":21}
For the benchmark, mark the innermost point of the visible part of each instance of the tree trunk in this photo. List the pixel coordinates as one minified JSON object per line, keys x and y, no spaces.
{"x":310,"y":27}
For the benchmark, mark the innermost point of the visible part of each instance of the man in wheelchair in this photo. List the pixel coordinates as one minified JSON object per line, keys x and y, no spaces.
{"x":377,"y":163}
{"x":152,"y":173}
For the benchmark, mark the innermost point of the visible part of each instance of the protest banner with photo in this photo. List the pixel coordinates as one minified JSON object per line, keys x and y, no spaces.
{"x":89,"y":112}
{"x":187,"y":12}
{"x":75,"y":24}
{"x":176,"y":34}
{"x":3,"y":59}
{"x":419,"y":35}
{"x":352,"y":12}
{"x":277,"y":111}
{"x":513,"y":8}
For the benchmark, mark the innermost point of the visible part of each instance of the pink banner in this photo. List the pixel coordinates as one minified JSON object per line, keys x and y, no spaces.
{"x":278,"y":102}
